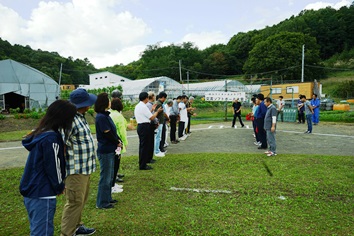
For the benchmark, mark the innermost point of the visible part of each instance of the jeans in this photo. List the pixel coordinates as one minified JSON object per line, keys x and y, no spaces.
{"x":104,"y":194}
{"x":41,"y":215}
{"x":309,"y":122}
{"x":271,"y":140}
{"x":158,"y":139}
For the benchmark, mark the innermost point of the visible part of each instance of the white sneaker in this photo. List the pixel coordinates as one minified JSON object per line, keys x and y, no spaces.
{"x":182,"y":138}
{"x":257,"y":143}
{"x":160,"y":154}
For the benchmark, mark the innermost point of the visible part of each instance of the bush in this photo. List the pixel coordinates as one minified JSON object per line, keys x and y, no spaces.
{"x":2,"y":117}
{"x":14,"y":111}
{"x":35,"y":115}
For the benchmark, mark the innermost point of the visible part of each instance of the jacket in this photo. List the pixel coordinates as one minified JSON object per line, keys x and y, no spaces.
{"x":45,"y":167}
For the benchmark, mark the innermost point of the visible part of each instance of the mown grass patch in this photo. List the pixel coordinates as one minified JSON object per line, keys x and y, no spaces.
{"x":312,"y":195}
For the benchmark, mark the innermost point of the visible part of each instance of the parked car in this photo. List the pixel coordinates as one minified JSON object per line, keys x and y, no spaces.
{"x":327,"y":104}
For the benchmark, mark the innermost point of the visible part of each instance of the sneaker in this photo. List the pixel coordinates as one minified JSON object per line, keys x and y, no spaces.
{"x":267,"y":152}
{"x":83,"y":230}
{"x":174,"y":142}
{"x":307,"y":132}
{"x":160,"y":154}
{"x":182,"y":138}
{"x":257,"y":143}
{"x":117,"y":190}
{"x":271,"y":154}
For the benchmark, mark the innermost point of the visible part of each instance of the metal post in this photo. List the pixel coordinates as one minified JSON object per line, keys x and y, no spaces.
{"x":225,"y":104}
{"x":180,"y":71}
{"x":303,"y":63}
{"x":188,"y":83}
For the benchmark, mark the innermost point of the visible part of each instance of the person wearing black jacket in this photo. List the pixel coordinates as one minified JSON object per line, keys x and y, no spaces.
{"x":108,"y":141}
{"x":43,"y":177}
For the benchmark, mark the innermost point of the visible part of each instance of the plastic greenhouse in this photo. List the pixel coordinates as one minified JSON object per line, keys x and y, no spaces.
{"x":25,"y":87}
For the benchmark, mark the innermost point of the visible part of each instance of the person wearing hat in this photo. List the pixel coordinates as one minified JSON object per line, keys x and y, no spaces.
{"x":80,"y":164}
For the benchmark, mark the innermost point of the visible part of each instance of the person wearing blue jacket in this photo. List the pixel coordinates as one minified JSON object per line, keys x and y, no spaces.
{"x":44,"y":172}
{"x":261,"y":112}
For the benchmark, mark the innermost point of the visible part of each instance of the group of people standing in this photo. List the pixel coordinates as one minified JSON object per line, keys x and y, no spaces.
{"x":62,"y":157}
{"x":153,"y":116}
{"x":264,"y":118}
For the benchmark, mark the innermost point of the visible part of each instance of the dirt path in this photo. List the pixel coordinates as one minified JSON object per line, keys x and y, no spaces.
{"x":327,"y":139}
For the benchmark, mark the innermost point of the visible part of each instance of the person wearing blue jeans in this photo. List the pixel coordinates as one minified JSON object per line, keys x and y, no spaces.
{"x":161,"y":117}
{"x":108,"y":141}
{"x":308,"y":113}
{"x":43,"y":177}
{"x":104,"y":194}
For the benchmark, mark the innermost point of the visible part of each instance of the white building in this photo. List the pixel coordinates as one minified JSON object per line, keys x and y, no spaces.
{"x":106,"y":79}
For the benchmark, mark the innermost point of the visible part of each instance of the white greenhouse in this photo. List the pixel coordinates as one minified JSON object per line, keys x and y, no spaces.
{"x":22,"y":86}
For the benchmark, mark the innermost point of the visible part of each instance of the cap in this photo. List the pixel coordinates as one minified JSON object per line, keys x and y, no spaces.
{"x":81,"y":98}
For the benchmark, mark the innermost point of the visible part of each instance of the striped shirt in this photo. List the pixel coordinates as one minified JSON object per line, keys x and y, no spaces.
{"x":80,"y":149}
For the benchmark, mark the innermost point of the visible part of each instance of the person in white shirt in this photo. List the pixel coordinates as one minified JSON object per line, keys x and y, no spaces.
{"x":144,"y":117}
{"x":167,"y":109}
{"x":280,"y":108}
{"x":183,"y":118}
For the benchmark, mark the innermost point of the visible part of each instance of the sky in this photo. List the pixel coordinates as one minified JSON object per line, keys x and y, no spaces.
{"x":110,"y":32}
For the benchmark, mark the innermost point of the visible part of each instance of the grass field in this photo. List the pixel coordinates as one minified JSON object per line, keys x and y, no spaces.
{"x":307,"y":195}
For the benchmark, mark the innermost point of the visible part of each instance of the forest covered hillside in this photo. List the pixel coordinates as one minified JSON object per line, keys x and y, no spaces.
{"x":275,"y":51}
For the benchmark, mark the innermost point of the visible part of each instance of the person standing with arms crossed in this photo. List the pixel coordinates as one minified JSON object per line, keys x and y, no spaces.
{"x":80,"y":164}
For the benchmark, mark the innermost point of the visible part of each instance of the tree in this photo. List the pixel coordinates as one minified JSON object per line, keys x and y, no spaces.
{"x":282,"y":53}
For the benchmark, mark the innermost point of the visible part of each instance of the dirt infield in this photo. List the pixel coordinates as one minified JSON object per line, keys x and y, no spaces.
{"x":327,"y":139}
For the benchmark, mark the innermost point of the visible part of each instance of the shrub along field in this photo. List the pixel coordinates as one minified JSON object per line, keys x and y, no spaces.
{"x":306,"y":195}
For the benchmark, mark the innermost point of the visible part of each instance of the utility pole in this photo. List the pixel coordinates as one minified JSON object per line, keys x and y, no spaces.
{"x":188,"y":83}
{"x":180,"y":71}
{"x":61,"y":68}
{"x":303,"y":63}
{"x":225,"y":104}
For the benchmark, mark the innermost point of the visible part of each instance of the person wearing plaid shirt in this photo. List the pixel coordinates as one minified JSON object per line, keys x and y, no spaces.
{"x":80,"y":163}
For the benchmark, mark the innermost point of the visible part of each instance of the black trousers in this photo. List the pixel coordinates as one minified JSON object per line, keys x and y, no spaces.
{"x":239,"y":118}
{"x":188,"y":129}
{"x":116,"y":168}
{"x":151,"y":141}
{"x":163,"y":136}
{"x":144,"y":144}
{"x":180,"y":129}
{"x":262,"y":135}
{"x":301,"y":117}
{"x":173,"y":124}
